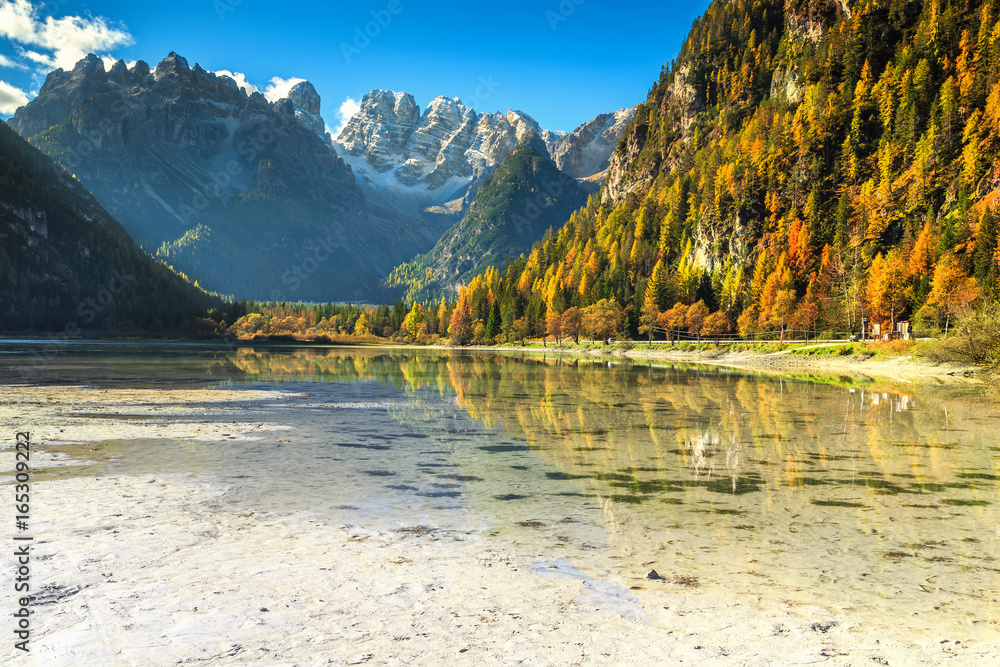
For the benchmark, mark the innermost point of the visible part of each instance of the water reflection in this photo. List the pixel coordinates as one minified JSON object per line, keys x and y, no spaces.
{"x":878,"y":498}
{"x":873,"y":498}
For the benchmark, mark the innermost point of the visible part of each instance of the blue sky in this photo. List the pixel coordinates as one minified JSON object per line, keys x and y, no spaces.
{"x":561,"y":61}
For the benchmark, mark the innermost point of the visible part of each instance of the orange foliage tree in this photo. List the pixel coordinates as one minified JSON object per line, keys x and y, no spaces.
{"x":888,"y":292}
{"x":460,"y":328}
{"x":716,"y":324}
{"x":694,"y":318}
{"x":953,"y":291}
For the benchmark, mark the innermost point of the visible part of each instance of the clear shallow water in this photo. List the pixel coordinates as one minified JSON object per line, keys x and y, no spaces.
{"x":874,"y":498}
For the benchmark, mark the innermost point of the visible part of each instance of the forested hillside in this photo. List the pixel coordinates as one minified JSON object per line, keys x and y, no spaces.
{"x":513,"y":207}
{"x":66,"y":266}
{"x":801,"y":165}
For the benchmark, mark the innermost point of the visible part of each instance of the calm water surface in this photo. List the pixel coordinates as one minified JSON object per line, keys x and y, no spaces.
{"x":873,"y":498}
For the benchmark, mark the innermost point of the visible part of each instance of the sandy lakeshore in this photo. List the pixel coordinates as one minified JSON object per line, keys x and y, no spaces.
{"x":904,"y":369}
{"x":154,"y":569}
{"x":907,"y":369}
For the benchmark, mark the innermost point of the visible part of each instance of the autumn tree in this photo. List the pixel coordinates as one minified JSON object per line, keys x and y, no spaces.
{"x":650,"y":314}
{"x":694,"y":318}
{"x":777,"y":300}
{"x":686,"y":279}
{"x":572,"y":320}
{"x":658,"y":286}
{"x":888,"y":288}
{"x":553,"y":325}
{"x":674,"y":320}
{"x":953,"y":291}
{"x":922,"y":255}
{"x":715,"y":325}
{"x":460,"y":327}
{"x":442,"y":317}
{"x":603,"y":319}
{"x":413,"y":320}
{"x":361,"y":326}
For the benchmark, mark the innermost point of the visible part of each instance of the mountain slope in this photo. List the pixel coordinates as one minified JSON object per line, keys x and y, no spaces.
{"x":586,"y":151}
{"x":514,"y":206}
{"x":425,"y":166}
{"x":66,"y":265}
{"x":449,"y":146}
{"x":802,"y":164}
{"x":178,"y":152}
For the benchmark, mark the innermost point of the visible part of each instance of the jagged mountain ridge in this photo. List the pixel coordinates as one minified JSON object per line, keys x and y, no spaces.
{"x":180,"y":154}
{"x":513,"y":207}
{"x":449,"y":146}
{"x":66,"y":266}
{"x":425,"y":165}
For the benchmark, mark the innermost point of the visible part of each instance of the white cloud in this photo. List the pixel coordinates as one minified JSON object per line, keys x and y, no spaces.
{"x":68,"y":39}
{"x":348,"y":108}
{"x":240,"y":79}
{"x":109,"y":62}
{"x":36,"y":57}
{"x":11,"y":98}
{"x":11,"y":63}
{"x":276,"y":89}
{"x":279,"y":88}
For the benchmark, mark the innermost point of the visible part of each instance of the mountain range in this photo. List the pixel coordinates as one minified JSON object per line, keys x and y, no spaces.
{"x":803,"y":165}
{"x":437,"y":155}
{"x":252,"y":197}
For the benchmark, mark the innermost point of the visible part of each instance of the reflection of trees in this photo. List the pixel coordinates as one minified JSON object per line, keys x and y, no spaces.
{"x":711,"y":473}
{"x":618,"y":418}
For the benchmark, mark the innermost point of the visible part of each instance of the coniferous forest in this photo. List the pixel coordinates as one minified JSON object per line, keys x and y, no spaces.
{"x":800,"y":166}
{"x":68,"y":267}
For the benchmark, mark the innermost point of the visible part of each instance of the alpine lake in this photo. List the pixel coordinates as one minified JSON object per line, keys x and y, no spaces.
{"x":872,"y":497}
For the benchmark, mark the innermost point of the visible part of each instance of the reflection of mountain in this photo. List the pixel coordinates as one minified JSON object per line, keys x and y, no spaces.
{"x":713,"y":422}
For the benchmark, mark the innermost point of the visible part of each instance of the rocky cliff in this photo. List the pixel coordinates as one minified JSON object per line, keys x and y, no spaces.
{"x":427,"y":164}
{"x":177,"y":151}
